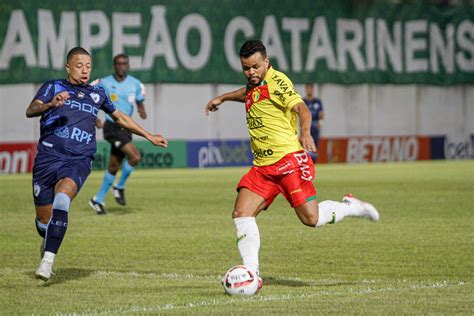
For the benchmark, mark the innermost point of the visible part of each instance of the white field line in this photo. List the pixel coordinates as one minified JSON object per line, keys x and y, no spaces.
{"x":273,"y":298}
{"x":214,"y":278}
{"x":170,"y":275}
{"x":370,"y":288}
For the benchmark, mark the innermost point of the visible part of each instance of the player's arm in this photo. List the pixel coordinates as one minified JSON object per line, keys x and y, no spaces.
{"x":141,"y":109}
{"x":98,"y":123}
{"x":237,"y":95}
{"x":37,"y":107}
{"x":320,"y":118}
{"x":304,"y":115}
{"x":129,"y":124}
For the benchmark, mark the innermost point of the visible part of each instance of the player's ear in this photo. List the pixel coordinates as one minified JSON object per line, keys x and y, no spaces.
{"x":67,"y":67}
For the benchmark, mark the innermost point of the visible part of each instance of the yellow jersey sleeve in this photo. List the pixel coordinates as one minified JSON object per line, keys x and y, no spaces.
{"x":281,"y":88}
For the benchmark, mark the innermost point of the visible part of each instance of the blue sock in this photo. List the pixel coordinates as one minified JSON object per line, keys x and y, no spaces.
{"x":58,"y":223}
{"x":106,"y":184}
{"x":126,"y":171}
{"x":40,"y":227}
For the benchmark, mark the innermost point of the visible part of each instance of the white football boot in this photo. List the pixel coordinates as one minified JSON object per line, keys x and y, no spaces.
{"x":45,"y":269}
{"x":370,"y":211}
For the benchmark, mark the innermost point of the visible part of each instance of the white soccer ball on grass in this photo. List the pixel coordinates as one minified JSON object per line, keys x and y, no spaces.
{"x":240,"y":280}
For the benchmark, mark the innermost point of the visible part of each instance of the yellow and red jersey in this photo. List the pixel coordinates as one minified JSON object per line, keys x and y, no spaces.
{"x":271,"y":123}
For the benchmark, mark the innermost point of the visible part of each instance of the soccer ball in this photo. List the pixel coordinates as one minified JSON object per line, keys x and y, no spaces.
{"x":240,"y":280}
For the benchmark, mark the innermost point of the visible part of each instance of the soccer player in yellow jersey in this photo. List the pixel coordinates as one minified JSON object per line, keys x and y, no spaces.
{"x":281,"y":163}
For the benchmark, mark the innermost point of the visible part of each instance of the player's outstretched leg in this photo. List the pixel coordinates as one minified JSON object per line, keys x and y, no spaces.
{"x":97,"y":202}
{"x":54,"y":234}
{"x":119,"y":188}
{"x":331,"y":212}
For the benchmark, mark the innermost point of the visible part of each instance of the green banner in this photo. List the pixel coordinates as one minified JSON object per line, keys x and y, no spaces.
{"x":197,"y":41}
{"x":174,"y":156}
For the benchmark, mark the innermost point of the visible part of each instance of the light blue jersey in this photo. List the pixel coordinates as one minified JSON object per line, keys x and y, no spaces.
{"x":123,"y":94}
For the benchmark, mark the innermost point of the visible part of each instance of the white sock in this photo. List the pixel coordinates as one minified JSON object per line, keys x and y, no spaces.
{"x":248,"y":241}
{"x":49,"y":256}
{"x":333,"y":212}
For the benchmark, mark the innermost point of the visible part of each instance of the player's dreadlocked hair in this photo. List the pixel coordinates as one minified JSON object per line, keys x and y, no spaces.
{"x":251,"y":47}
{"x":76,"y":51}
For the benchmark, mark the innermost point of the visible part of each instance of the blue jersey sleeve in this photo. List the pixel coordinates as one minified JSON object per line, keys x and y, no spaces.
{"x":45,"y":92}
{"x":107,"y":106}
{"x":139,"y":92}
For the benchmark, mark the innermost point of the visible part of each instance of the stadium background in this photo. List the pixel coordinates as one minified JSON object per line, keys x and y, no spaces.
{"x":396,"y":79}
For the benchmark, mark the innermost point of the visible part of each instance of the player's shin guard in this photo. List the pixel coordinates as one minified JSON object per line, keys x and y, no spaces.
{"x":40,"y":228}
{"x":126,"y":171}
{"x":58,"y":224}
{"x":248,"y":241}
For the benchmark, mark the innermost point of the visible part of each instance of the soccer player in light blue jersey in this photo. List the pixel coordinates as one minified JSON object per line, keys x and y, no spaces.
{"x":66,"y":148}
{"x":125,"y":91}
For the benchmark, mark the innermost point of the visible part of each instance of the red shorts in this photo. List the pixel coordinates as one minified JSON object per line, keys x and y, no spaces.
{"x":292,"y":176}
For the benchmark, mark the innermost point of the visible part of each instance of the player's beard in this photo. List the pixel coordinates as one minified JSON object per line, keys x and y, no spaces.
{"x":250,"y":82}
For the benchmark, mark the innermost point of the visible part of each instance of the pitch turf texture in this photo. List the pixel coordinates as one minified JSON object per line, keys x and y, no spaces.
{"x":165,"y":252}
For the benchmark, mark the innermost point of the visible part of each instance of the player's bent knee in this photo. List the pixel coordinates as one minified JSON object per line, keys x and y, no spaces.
{"x":113,"y":168}
{"x":239,"y":213}
{"x":310,"y":221}
{"x":133,"y":161}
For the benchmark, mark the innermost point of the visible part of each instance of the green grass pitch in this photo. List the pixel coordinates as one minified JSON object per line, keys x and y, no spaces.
{"x":166,"y":251}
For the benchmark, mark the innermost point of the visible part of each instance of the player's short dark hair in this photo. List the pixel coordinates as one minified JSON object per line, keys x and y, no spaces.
{"x":307,"y":84}
{"x":122,"y":55}
{"x":251,"y":47}
{"x":76,"y":51}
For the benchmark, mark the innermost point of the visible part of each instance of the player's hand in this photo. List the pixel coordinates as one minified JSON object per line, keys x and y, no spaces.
{"x":98,"y":123}
{"x":142,"y":115}
{"x":213,"y":105}
{"x":158,"y":140}
{"x":59,"y":99}
{"x":307,"y":142}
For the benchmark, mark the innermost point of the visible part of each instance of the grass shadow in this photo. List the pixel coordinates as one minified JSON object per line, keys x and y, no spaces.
{"x":284,"y":282}
{"x":119,"y":210}
{"x":299,"y":283}
{"x":65,"y":275}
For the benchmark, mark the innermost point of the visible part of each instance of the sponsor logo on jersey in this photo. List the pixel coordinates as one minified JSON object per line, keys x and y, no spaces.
{"x":254,"y":122}
{"x":284,"y":86}
{"x":259,"y":139}
{"x":83,"y":107}
{"x":77,"y":134}
{"x":262,"y":153}
{"x":81,"y":95}
{"x":280,"y":96}
{"x":62,"y":132}
{"x":81,"y":136}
